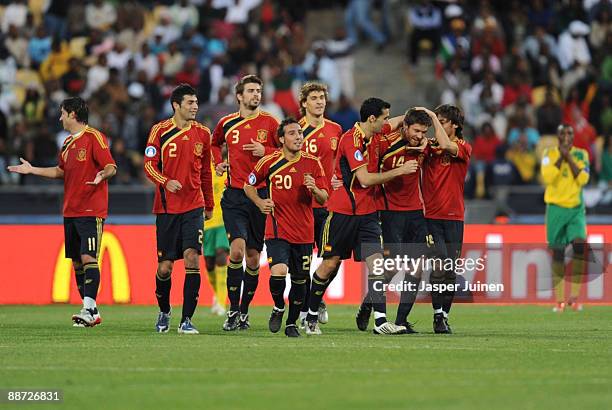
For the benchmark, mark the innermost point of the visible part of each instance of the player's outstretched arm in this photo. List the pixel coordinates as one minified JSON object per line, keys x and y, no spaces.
{"x":441,"y":136}
{"x":368,"y":179}
{"x":109,"y":171}
{"x":26,"y":168}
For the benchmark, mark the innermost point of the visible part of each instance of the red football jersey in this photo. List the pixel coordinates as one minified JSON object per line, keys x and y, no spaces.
{"x":292,"y":219}
{"x":237,"y":131}
{"x":82,"y":156}
{"x":322,"y":142}
{"x":443,"y":180}
{"x":353,"y":153}
{"x":402,"y":193}
{"x":182,"y":154}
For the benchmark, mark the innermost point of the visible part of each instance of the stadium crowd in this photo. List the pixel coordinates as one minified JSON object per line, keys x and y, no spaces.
{"x":516,"y":69}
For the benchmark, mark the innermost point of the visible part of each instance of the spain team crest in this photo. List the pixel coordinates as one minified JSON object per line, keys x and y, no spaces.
{"x":262,"y":135}
{"x":334,"y":143}
{"x":81,"y":154}
{"x":198,"y":148}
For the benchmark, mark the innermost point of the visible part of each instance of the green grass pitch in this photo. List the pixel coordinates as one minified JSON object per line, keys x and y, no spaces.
{"x":515,"y":357}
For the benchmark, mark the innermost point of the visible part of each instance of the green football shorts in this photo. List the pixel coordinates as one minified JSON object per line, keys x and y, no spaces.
{"x":215,"y":238}
{"x":563,"y":225}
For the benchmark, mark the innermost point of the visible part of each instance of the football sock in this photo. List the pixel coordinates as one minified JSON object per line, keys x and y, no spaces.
{"x":191,"y":290}
{"x":251,"y":280}
{"x":79,"y":276}
{"x":447,"y":299}
{"x":162,"y":292}
{"x":91,"y":280}
{"x":306,"y":297}
{"x":317,"y":290}
{"x":578,"y":273}
{"x":277,"y":289}
{"x":407,"y":299}
{"x":212,"y":279}
{"x":221,"y":284}
{"x":235,"y":273}
{"x":296,"y":300}
{"x":558,"y":268}
{"x":377,"y":296}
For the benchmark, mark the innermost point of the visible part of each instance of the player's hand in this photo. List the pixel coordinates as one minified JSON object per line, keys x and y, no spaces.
{"x":420,"y":147}
{"x":221,"y":168}
{"x":173,"y":186}
{"x":266,"y":206}
{"x":427,"y":111}
{"x":409,"y":167}
{"x":99,"y":178}
{"x":24,"y":168}
{"x":309,"y":182}
{"x":336,"y":183}
{"x":208,"y":214}
{"x":256,"y":148}
{"x":564,"y":150}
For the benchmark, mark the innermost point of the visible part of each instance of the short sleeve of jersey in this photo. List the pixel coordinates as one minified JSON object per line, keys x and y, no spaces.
{"x":60,"y":160}
{"x":465,"y":150}
{"x":260,"y":171}
{"x":353,"y":154}
{"x":101,"y":152}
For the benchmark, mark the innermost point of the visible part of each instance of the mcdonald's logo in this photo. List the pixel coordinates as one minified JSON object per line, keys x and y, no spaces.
{"x":120,"y":277}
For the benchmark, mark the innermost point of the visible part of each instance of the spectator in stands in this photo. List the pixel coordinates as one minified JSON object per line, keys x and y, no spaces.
{"x":17,"y":45}
{"x":426,"y":21}
{"x":357,"y":17}
{"x":523,"y":157}
{"x":485,"y":145}
{"x":345,"y":114}
{"x":147,"y":62}
{"x":514,"y":89}
{"x":576,"y":114}
{"x":97,"y":76}
{"x":340,"y":50}
{"x":33,"y":108}
{"x":73,"y":81}
{"x":184,"y":14}
{"x":320,"y":67}
{"x":502,"y":171}
{"x":455,"y":82}
{"x":100,"y":15}
{"x":172,"y":61}
{"x":455,"y":43}
{"x":549,"y":114}
{"x":15,"y":14}
{"x":126,"y":171}
{"x":119,"y":56}
{"x":600,"y":27}
{"x":523,"y":134}
{"x":57,"y":62}
{"x":574,"y":54}
{"x":39,"y":47}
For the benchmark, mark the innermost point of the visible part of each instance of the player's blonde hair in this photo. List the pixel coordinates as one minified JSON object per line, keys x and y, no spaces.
{"x":308,"y":88}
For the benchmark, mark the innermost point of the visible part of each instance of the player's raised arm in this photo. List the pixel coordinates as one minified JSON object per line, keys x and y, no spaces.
{"x":25,"y":168}
{"x":441,"y":136}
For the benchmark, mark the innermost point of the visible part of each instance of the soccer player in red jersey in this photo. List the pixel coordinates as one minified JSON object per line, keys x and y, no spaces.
{"x":249,"y":134}
{"x":321,"y":138}
{"x":293,"y":179}
{"x":177,"y":161}
{"x":85,"y":165}
{"x":444,"y":174}
{"x":352,"y":224}
{"x":400,"y":203}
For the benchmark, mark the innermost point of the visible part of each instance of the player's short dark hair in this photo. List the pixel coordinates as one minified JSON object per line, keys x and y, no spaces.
{"x":308,"y":88}
{"x":420,"y":117}
{"x":453,"y":114}
{"x":563,"y":126}
{"x":372,"y":106}
{"x":285,"y":122}
{"x":78,"y":106}
{"x":180,"y":92}
{"x":247,"y":79}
